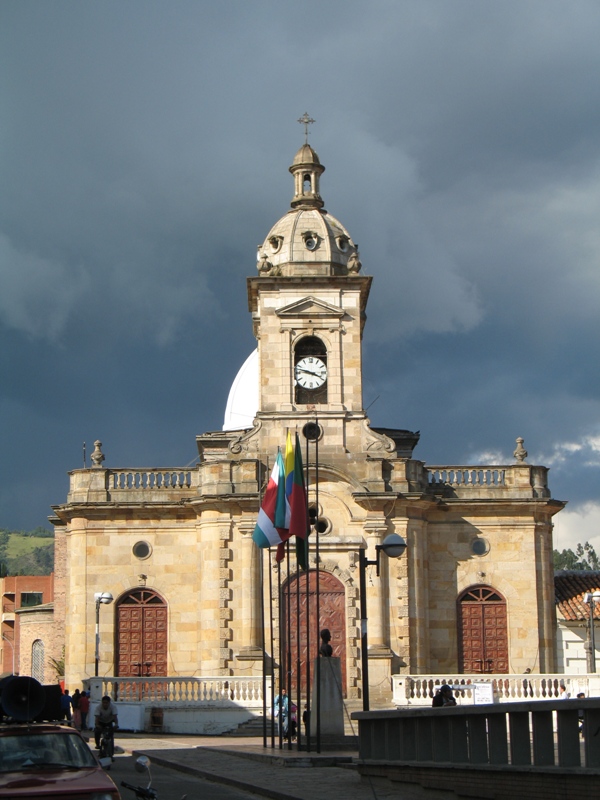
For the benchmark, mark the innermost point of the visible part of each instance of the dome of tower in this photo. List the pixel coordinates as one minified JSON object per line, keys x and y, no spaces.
{"x":306,"y":155}
{"x":307,"y":240}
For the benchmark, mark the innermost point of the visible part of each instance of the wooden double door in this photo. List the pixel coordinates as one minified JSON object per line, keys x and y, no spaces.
{"x":142,"y":642}
{"x":302,"y":605}
{"x":482,"y":631}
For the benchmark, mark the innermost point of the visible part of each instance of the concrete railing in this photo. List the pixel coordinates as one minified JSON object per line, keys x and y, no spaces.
{"x":511,"y":735}
{"x":472,"y":481}
{"x":212,"y":691}
{"x":166,"y":478}
{"x":418,"y":690}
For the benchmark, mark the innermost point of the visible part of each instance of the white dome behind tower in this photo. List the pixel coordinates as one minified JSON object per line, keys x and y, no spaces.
{"x":242,"y":403}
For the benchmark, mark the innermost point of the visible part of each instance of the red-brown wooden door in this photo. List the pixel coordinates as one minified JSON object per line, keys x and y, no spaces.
{"x":332,"y":616}
{"x":141,"y":634}
{"x":482,"y":631}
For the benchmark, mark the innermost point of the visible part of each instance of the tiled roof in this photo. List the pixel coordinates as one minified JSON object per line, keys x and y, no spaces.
{"x":570,"y":585}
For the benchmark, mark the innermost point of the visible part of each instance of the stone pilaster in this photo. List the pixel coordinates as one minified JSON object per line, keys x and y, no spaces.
{"x":249,"y":645}
{"x":416,"y":598}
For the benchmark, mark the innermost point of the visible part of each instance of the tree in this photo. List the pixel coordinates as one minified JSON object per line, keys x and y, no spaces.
{"x":583,"y":558}
{"x":58,"y":665}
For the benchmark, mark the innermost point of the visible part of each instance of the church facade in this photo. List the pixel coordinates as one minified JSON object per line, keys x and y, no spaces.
{"x":474,"y":591}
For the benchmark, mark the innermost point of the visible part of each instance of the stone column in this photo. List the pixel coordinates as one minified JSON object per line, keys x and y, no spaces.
{"x":377,"y":593}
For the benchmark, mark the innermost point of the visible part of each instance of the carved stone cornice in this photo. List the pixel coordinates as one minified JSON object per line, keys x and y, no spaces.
{"x":240,"y":443}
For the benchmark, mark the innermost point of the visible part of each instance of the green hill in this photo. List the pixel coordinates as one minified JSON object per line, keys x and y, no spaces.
{"x":26,"y":552}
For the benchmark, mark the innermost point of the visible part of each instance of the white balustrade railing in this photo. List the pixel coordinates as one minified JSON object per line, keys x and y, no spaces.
{"x":419,"y":690}
{"x":209,"y":691}
{"x":167,"y":478}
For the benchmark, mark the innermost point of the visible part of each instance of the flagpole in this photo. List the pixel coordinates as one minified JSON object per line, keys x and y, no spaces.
{"x":261,"y":576}
{"x":261,"y":570}
{"x":318,"y":675}
{"x":281,"y":667}
{"x":298,"y":662}
{"x":288,"y":645}
{"x":272,"y":649}
{"x":308,"y":697}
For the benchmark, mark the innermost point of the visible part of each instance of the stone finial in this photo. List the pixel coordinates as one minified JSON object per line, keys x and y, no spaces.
{"x":97,"y":456}
{"x":264,"y":265}
{"x":354,"y":263}
{"x":520,"y":453}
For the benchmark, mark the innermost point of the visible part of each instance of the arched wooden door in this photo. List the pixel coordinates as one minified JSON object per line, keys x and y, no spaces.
{"x":141,"y":634}
{"x":482,"y":631}
{"x":332,"y":615}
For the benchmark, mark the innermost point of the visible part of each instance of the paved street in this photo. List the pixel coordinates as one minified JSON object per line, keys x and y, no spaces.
{"x":171,"y":785}
{"x":245,"y":765}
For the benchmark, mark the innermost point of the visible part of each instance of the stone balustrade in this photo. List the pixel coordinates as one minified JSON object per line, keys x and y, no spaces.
{"x":418,"y":690}
{"x":515,"y":480}
{"x":191,"y":691}
{"x":132,"y":485}
{"x":467,"y":476}
{"x":168,"y":478}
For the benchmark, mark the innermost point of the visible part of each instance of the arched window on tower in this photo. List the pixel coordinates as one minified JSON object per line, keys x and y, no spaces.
{"x":37,"y":660}
{"x":306,"y":184}
{"x":310,"y":371}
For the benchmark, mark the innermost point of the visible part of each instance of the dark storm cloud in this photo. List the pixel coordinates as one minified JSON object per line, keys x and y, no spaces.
{"x":144,"y":156}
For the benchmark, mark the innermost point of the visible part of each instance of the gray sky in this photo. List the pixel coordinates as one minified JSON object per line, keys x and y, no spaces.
{"x":144,"y":150}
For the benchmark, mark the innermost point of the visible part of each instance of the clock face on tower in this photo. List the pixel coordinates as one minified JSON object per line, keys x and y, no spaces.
{"x":310,"y":372}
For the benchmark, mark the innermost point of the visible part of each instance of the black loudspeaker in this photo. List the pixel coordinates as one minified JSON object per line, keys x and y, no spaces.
{"x":51,"y":710}
{"x":22,"y":698}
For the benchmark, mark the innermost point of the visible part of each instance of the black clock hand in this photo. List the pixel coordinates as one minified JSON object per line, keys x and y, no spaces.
{"x":309,"y":371}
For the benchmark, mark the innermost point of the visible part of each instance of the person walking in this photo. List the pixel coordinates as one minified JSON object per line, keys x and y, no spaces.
{"x":65,"y":705}
{"x":281,"y":711}
{"x":76,"y":711}
{"x":84,"y":707}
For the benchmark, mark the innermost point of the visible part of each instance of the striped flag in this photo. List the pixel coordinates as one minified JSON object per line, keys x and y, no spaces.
{"x":299,"y":522}
{"x":288,"y":466}
{"x":298,"y":525}
{"x":274,"y":515}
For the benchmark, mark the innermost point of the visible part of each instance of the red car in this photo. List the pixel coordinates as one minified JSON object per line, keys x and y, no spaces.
{"x":50,"y":761}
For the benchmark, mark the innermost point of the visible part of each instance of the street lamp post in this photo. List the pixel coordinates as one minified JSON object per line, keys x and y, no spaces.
{"x":393,"y":546}
{"x":591,"y":598}
{"x":105,"y":598}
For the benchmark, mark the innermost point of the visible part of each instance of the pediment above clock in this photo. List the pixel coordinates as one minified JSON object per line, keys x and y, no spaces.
{"x":310,"y":307}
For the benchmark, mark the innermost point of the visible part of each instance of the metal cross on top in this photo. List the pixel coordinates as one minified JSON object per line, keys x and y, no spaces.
{"x":306,"y":121}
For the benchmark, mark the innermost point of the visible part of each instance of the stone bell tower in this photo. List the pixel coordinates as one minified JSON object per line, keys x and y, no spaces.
{"x":308,"y":306}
